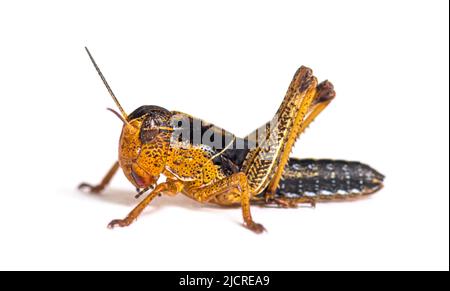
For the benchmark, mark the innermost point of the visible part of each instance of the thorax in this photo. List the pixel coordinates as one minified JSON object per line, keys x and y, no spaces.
{"x":193,"y":164}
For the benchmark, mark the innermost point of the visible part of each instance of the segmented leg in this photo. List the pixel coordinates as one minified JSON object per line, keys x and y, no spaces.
{"x":262,"y":162}
{"x":170,"y":188}
{"x":290,"y":203}
{"x":229,"y":191}
{"x":324,"y":94}
{"x":105,"y":181}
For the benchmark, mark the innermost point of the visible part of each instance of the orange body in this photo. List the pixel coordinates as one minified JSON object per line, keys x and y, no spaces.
{"x":223,"y":169}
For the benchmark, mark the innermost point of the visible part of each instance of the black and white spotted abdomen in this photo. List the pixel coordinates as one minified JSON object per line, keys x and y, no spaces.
{"x":328,"y":179}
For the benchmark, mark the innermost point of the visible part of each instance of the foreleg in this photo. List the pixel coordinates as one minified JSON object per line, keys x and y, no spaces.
{"x":105,"y":181}
{"x":169,"y":188}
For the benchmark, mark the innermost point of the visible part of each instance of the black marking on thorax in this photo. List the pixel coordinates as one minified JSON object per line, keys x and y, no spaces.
{"x":229,"y":151}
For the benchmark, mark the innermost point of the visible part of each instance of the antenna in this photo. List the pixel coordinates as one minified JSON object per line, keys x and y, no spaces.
{"x":118,"y":115}
{"x":125,"y":116}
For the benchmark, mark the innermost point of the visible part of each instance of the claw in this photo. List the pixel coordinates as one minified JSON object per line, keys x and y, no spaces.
{"x":118,"y":222}
{"x":91,"y":189}
{"x":285,"y":203}
{"x":256,"y":227}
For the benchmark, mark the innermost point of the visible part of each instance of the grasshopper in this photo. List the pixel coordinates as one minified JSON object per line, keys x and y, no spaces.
{"x":211,"y":165}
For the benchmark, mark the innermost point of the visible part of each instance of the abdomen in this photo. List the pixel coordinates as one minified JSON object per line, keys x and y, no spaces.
{"x":320,"y":180}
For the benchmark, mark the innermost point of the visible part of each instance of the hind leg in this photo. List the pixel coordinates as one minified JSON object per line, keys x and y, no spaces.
{"x":290,"y":203}
{"x":324,"y":95}
{"x":276,"y":137}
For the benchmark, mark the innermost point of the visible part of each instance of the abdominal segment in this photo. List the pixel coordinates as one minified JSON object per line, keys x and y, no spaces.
{"x":324,"y":179}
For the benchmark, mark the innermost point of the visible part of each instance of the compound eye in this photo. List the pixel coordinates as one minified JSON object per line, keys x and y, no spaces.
{"x":149,"y":131}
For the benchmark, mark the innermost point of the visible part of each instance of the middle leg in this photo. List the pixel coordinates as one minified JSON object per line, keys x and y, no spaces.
{"x":229,"y":191}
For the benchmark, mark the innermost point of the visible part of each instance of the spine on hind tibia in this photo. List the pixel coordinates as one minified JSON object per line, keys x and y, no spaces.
{"x":321,"y":180}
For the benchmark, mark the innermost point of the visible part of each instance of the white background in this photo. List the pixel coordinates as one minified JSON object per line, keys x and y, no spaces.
{"x":228,"y":63}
